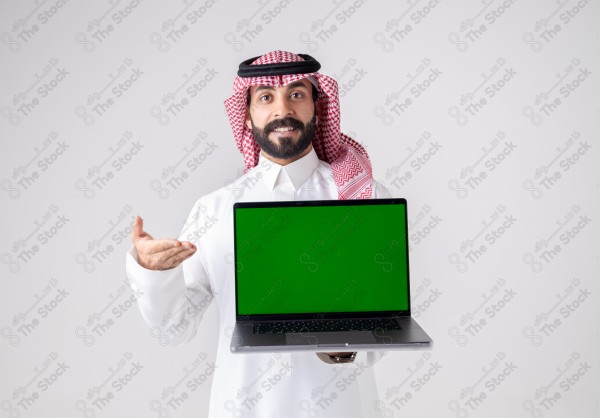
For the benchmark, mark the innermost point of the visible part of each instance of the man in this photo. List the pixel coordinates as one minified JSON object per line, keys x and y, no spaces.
{"x":285,"y":120}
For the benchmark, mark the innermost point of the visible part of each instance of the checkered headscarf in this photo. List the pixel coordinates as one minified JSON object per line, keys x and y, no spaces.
{"x":349,"y":161}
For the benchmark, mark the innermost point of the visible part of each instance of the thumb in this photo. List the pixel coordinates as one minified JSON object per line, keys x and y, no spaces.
{"x":137,"y":230}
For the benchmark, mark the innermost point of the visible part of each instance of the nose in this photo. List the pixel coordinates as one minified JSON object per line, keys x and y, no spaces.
{"x":282,"y":107}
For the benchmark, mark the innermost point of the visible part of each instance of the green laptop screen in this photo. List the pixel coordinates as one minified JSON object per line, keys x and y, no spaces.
{"x":321,"y":259}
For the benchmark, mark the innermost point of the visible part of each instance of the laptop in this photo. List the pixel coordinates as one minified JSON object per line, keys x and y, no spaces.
{"x":323,"y":275}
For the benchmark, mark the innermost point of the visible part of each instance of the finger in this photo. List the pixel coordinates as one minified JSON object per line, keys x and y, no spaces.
{"x":163,"y":256}
{"x":179,"y":258}
{"x":189,"y":245}
{"x":151,"y":247}
{"x":167,"y":259}
{"x":158,"y":261}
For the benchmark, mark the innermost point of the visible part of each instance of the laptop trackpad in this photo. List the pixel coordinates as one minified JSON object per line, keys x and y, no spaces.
{"x":333,"y":338}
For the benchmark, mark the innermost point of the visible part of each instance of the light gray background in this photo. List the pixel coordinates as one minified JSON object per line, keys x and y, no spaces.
{"x":518,"y":322}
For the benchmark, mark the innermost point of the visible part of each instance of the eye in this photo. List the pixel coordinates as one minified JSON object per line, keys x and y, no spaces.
{"x":260,"y":98}
{"x":298,"y":95}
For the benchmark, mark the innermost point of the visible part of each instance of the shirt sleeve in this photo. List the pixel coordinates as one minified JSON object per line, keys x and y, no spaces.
{"x":172,"y":302}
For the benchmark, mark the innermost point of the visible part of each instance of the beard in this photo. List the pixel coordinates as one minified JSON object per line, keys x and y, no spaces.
{"x":285,"y":147}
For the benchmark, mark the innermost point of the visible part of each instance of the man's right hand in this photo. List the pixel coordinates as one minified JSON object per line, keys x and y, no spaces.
{"x":158,"y":254}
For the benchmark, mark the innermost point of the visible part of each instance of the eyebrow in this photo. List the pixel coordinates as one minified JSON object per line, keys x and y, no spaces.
{"x":289,"y":86}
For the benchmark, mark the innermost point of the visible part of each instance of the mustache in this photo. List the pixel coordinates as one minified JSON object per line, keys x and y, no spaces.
{"x":283,"y":123}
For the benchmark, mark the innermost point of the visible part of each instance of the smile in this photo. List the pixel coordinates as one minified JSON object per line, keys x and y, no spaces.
{"x":284,"y":129}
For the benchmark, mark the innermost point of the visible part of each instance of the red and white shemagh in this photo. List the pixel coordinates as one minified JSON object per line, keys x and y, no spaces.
{"x":349,"y":161}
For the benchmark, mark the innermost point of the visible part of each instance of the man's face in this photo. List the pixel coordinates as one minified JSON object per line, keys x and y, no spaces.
{"x":282,"y":119}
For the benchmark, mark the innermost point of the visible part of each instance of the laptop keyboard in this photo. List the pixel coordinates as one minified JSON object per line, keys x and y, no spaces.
{"x":325,"y":325}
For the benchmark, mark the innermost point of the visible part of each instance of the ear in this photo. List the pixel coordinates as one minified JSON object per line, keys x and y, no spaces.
{"x":247,"y":121}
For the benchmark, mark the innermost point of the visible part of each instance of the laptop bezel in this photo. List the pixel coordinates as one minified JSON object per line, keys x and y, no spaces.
{"x":321,"y":315}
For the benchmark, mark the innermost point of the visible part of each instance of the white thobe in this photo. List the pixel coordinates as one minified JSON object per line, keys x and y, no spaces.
{"x":173,"y":302}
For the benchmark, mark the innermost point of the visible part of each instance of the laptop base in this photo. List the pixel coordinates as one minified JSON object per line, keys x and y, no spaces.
{"x":411,"y":337}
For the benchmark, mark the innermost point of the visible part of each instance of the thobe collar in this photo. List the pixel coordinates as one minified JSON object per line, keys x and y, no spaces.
{"x":296,"y":172}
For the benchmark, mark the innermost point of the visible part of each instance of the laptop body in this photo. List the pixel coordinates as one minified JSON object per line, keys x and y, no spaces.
{"x":323,"y":275}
